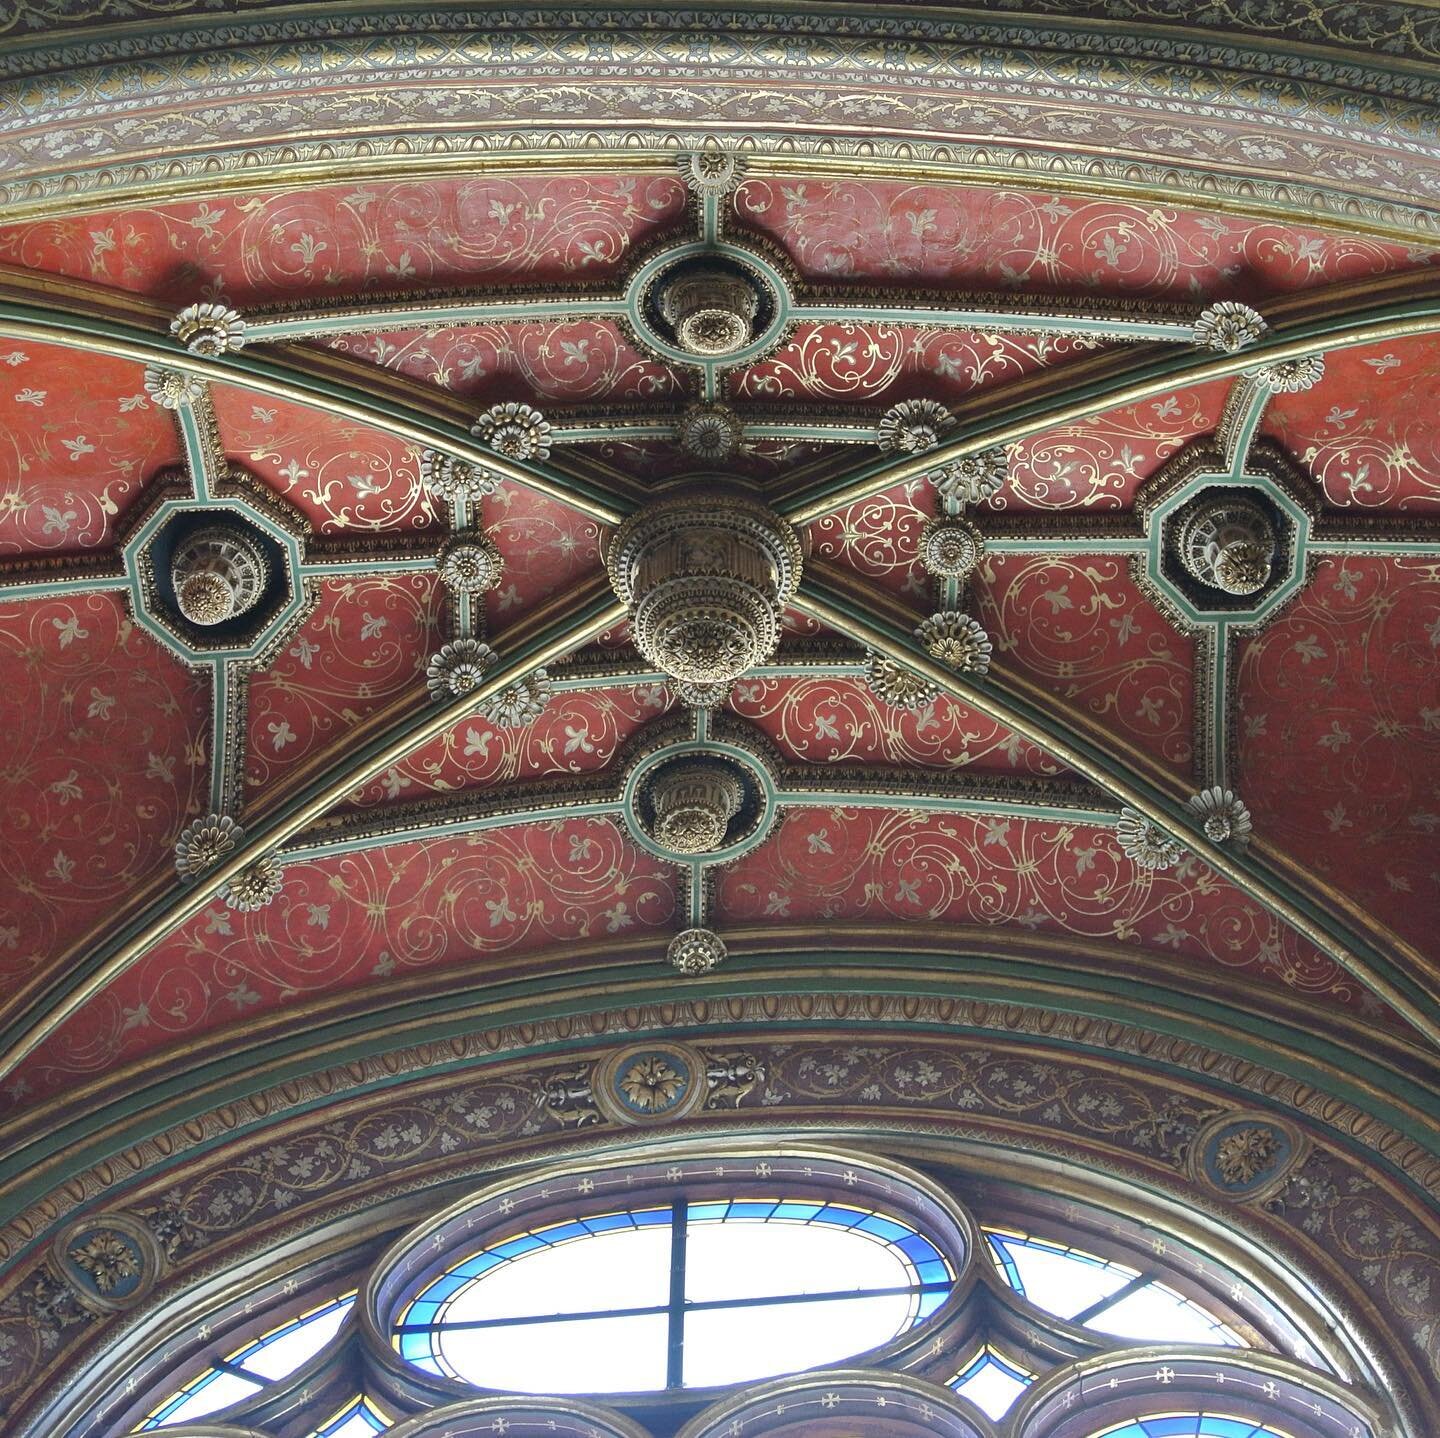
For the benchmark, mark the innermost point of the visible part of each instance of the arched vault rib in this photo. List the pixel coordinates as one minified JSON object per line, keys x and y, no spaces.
{"x":1416,"y":310}
{"x":1356,"y":315}
{"x":1391,"y":981}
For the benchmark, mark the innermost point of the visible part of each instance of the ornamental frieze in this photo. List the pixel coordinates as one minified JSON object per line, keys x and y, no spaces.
{"x":243,"y":1196}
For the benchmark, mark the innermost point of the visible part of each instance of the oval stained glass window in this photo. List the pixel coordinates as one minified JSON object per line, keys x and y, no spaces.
{"x":688,"y":1295}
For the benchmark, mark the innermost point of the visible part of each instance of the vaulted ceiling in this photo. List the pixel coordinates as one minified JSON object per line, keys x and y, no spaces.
{"x":1037,"y":251}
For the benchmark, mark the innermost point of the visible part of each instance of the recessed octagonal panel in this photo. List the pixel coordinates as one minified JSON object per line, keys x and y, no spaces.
{"x":174,"y":527}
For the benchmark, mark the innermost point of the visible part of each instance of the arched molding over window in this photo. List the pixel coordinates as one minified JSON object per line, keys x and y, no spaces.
{"x":842,"y":1404}
{"x":1099,"y":1394}
{"x":521,"y":1417}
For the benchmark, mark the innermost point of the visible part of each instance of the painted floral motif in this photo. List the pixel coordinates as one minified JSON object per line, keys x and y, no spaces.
{"x":885,"y":363}
{"x":573,"y":361}
{"x":1338,"y":715}
{"x":1098,"y":463}
{"x":362,"y":650}
{"x":77,"y":442}
{"x":1031,"y":241}
{"x":1369,"y":431}
{"x":363,"y":919}
{"x":578,"y":732}
{"x":880,"y":538}
{"x":1045,"y":875}
{"x":831,"y":720}
{"x":1243,"y":1154}
{"x":1080,"y":629}
{"x":342,"y":475}
{"x":652,"y":1084}
{"x":548,"y":549}
{"x":340,"y":239}
{"x":106,"y":760}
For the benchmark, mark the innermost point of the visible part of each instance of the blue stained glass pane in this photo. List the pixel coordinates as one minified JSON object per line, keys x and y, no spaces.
{"x":415,"y":1347}
{"x":1182,"y":1426}
{"x":840,"y":1217}
{"x":474,"y":1267}
{"x":884,"y":1228}
{"x":936,"y":1272}
{"x":562,"y":1233}
{"x":647,"y":1216}
{"x":920,"y":1249}
{"x":1231,"y":1428}
{"x":992,"y":1384}
{"x":751,"y":1210}
{"x":602,"y":1222}
{"x":799,"y":1211}
{"x":707,"y":1212}
{"x":526,"y":1243}
{"x":928,"y":1303}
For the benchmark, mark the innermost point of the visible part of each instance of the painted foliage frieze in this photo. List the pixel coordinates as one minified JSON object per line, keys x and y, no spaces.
{"x":1322,"y":1208}
{"x":1016,"y":240}
{"x":1111,"y":109}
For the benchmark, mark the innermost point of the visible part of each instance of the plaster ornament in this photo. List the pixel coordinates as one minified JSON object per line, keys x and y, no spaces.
{"x":204,"y":843}
{"x":957,"y":641}
{"x":518,"y":431}
{"x":469,"y":564}
{"x":711,"y":308}
{"x":253,"y":888}
{"x":972,"y":478}
{"x":1144,"y":843}
{"x":913,"y":426}
{"x":705,"y":578}
{"x":1222,"y":816}
{"x":900,"y":688}
{"x":107,"y":1258}
{"x":451,"y":479}
{"x":520,"y":703}
{"x":951,"y":548}
{"x":710,"y":432}
{"x":218,"y":573}
{"x":1228,"y":543}
{"x":457,"y":668}
{"x":696,"y":951}
{"x":694,"y":802}
{"x":702,"y":696}
{"x":170,"y":388}
{"x":209,"y":329}
{"x":1246,"y":1154}
{"x":711,"y":170}
{"x":1228,"y":326}
{"x":1293,"y":376}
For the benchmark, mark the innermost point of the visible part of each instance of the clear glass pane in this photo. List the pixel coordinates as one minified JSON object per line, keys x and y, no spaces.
{"x":623,"y":1268}
{"x":746,"y":1259}
{"x":583,"y":1355}
{"x":1155,"y":1314}
{"x":209,"y":1395}
{"x":282,"y":1352}
{"x":1059,"y":1280}
{"x":991,"y":1386}
{"x":732,"y":1345}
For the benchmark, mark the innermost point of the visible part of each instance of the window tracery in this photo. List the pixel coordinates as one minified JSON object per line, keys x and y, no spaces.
{"x":635,"y":1293}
